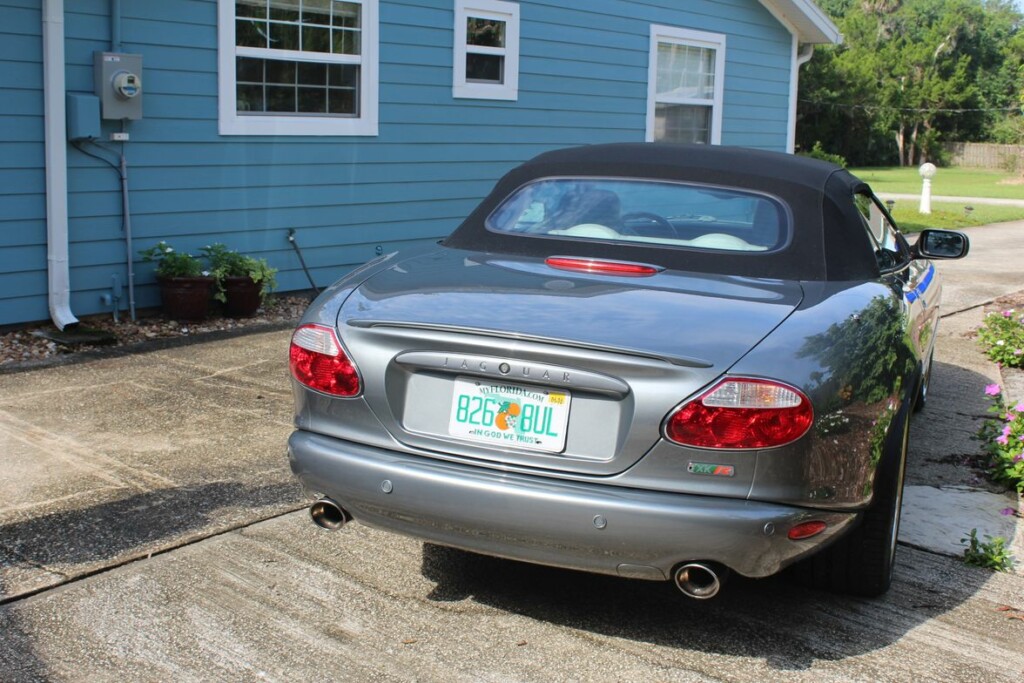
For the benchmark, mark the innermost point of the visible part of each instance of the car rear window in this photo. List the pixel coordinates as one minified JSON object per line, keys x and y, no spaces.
{"x":672,"y":214}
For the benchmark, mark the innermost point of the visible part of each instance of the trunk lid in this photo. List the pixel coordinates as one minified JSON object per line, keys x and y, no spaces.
{"x":624,"y":350}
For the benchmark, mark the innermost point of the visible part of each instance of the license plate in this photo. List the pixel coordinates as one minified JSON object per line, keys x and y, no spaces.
{"x":509,"y":414}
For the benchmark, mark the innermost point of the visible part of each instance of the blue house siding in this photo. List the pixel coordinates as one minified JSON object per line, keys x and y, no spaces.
{"x":583,"y":79}
{"x":22,"y":180}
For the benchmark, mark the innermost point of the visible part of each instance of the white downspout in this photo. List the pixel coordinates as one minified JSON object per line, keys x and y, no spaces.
{"x":801,"y":55}
{"x":59,"y":278}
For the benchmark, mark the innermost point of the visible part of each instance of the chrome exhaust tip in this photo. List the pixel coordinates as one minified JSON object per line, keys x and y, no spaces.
{"x":700,"y":580}
{"x":327,"y":514}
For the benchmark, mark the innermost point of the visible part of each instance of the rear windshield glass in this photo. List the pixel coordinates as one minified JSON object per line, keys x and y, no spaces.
{"x":644,"y":211}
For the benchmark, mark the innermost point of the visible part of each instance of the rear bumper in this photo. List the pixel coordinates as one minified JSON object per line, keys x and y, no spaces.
{"x":587,"y":526}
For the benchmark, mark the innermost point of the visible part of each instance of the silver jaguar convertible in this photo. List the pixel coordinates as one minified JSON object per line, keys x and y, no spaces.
{"x":655,"y":361}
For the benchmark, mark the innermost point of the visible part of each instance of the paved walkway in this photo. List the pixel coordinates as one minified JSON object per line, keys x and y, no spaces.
{"x":940,"y":508}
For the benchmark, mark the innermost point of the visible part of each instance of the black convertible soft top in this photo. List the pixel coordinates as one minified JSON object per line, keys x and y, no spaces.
{"x":829,"y":240}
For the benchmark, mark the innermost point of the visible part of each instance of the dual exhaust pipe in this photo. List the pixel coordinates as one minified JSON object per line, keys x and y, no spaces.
{"x":700,"y":580}
{"x":327,"y":514}
{"x":697,"y":580}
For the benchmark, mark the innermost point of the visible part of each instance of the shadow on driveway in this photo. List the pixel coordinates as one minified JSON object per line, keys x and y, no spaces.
{"x":775,"y":620}
{"x":140,"y":523}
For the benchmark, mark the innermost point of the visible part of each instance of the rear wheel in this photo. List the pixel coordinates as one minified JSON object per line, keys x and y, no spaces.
{"x":862,"y":562}
{"x":922,"y":389}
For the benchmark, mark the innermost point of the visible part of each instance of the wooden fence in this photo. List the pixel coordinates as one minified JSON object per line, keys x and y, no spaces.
{"x":985,"y":155}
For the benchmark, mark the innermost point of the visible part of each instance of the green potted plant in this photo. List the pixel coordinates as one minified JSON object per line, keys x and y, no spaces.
{"x":184,"y":284}
{"x":242,"y":282}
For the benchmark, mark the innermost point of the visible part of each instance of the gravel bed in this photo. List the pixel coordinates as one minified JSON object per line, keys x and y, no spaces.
{"x":27,"y":347}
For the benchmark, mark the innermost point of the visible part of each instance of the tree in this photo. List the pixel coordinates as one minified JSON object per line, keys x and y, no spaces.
{"x":909,"y":73}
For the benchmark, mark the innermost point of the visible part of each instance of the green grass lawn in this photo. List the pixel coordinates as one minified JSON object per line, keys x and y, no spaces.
{"x":956,"y":182}
{"x":951,"y":216}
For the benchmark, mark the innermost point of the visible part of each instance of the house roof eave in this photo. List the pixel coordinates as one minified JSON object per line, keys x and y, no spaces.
{"x":805,"y":20}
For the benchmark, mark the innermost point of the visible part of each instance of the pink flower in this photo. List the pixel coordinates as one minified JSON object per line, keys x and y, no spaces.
{"x":1019,"y":407}
{"x":1009,"y":416}
{"x":1006,"y":430}
{"x":993,"y":390}
{"x":1008,"y":314}
{"x":1006,"y":512}
{"x":1018,"y":458}
{"x":1018,"y":352}
{"x":1002,"y":440}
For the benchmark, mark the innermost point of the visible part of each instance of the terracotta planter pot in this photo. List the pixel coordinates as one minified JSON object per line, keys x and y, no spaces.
{"x":243,"y":296}
{"x":187,"y":298}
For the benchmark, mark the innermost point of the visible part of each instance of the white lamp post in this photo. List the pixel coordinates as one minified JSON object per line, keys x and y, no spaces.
{"x":927,"y":172}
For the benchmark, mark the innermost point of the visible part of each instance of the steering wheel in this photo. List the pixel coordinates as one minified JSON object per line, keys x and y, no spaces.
{"x":657,"y":219}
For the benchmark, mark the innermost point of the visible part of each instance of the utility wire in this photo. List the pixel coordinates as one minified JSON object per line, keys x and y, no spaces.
{"x":81,"y":148}
{"x":875,"y":107}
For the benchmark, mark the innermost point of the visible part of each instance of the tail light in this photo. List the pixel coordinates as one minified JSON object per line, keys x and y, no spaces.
{"x":806,"y":530}
{"x":742,"y":413}
{"x":602,"y":267}
{"x":317,"y":360}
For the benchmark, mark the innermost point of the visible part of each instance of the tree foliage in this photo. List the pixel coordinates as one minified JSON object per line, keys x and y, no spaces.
{"x":909,"y":74}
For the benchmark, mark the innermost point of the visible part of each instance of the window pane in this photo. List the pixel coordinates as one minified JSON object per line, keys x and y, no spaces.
{"x":682,"y":123}
{"x":250,"y":98}
{"x":280,"y":98}
{"x":280,"y":72}
{"x":342,"y":96}
{"x":284,"y":10}
{"x":347,"y":15}
{"x":485,"y":32}
{"x":316,"y":12}
{"x":686,"y":71}
{"x":284,"y":36}
{"x":346,"y":42}
{"x":343,"y":75}
{"x":342,"y":102}
{"x":251,"y":8}
{"x":312,"y":100}
{"x":316,"y":39}
{"x":249,"y":33}
{"x":312,"y":74}
{"x":249,"y":70}
{"x":485,"y":68}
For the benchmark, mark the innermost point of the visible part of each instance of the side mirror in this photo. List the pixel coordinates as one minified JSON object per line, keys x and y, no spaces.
{"x":942,"y":244}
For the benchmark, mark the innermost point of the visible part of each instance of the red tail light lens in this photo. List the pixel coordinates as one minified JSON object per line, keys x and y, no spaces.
{"x":586,"y":265}
{"x":317,"y":360}
{"x":742,"y":413}
{"x":806,"y":530}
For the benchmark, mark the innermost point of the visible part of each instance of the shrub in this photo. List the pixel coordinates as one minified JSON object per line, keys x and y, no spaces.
{"x":171,"y":263}
{"x":227,"y":263}
{"x":1003,"y":439}
{"x":990,"y":554}
{"x":1002,"y":338}
{"x":818,"y":152}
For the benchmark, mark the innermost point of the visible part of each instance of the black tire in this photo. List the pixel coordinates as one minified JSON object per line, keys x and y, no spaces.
{"x":922,"y":387}
{"x":862,"y":562}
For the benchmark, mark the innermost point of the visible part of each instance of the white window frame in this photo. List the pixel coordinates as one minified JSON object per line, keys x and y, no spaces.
{"x":507,"y":12}
{"x":701,"y":39}
{"x":231,"y":123}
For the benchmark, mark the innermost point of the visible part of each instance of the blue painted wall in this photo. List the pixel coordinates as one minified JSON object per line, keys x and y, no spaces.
{"x":583,"y":76}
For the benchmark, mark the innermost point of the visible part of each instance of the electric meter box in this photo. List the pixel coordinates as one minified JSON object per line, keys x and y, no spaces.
{"x":118,"y":80}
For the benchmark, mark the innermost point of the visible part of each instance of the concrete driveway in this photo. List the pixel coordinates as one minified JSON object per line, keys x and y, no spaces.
{"x":150,"y":530}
